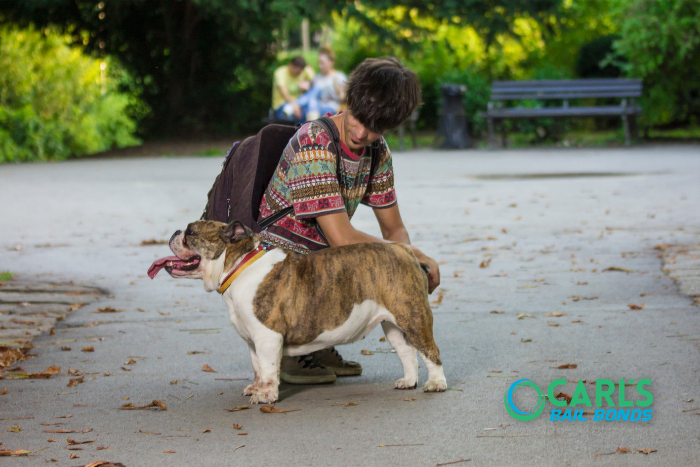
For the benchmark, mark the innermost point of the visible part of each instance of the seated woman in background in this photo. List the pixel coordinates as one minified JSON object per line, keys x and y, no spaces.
{"x":328,"y":91}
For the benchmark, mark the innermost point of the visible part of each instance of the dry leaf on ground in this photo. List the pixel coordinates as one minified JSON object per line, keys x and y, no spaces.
{"x":3,"y":392}
{"x":623,"y":450}
{"x":65,"y":349}
{"x":208,"y":369}
{"x":108,"y":309}
{"x":272,"y":409}
{"x":131,"y":361}
{"x":88,"y":349}
{"x":484,"y":264}
{"x":496,"y":312}
{"x":637,"y":307}
{"x":645,"y":451}
{"x":524,"y":315}
{"x":237,"y":427}
{"x":242,"y":433}
{"x":238,"y":408}
{"x":153,"y":241}
{"x":567,"y":366}
{"x":555,"y":314}
{"x":525,"y":340}
{"x":195,"y":352}
{"x":206,"y":431}
{"x":155,"y":404}
{"x":549,"y":323}
{"x":75,"y":381}
{"x":73,"y":442}
{"x":72,"y":372}
{"x":64,"y":430}
{"x":14,"y":429}
{"x":366,"y":352}
{"x":561,"y":396}
{"x":615,"y":268}
{"x":169,"y":451}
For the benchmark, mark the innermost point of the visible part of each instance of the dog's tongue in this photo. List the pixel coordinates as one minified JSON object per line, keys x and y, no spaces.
{"x":160,"y":264}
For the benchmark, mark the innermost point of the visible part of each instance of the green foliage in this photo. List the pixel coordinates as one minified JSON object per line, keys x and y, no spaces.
{"x":593,"y":54}
{"x":6,"y":276}
{"x":660,"y":41}
{"x":52,"y":103}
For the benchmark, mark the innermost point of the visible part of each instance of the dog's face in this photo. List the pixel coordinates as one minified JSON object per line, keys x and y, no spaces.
{"x":198,"y":248}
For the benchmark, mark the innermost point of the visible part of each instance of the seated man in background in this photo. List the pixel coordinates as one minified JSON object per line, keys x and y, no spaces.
{"x":289,"y":82}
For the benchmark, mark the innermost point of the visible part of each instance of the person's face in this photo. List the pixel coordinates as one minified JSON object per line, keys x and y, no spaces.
{"x":325,"y":64}
{"x":295,"y":70}
{"x":356,"y":135}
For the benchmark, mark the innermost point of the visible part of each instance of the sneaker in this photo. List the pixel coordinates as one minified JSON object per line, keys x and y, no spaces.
{"x":331,"y":359}
{"x":305,"y":370}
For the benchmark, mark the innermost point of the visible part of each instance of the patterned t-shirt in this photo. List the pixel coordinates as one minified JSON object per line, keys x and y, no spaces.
{"x":308,"y":179}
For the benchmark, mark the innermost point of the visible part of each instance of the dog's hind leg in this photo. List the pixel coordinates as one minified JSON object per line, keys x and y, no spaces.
{"x":268,"y":348}
{"x":407,"y":354}
{"x":251,"y":388}
{"x":436,"y":377}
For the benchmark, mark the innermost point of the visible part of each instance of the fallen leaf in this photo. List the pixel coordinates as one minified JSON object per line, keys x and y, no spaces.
{"x":272,"y":409}
{"x":366,"y":352}
{"x":350,"y":404}
{"x":195,"y":352}
{"x":52,"y":370}
{"x":149,"y":433}
{"x":567,"y":366}
{"x":15,"y":429}
{"x":3,"y":392}
{"x":108,"y":309}
{"x":563,"y":396}
{"x":208,"y":369}
{"x":169,"y":451}
{"x":549,"y":323}
{"x":141,"y":310}
{"x":382,"y":339}
{"x":645,"y":451}
{"x":63,"y":416}
{"x":688,"y":400}
{"x":637,"y":307}
{"x":556,"y":314}
{"x":51,"y":440}
{"x":163,"y":313}
{"x":131,"y":361}
{"x":64,"y":430}
{"x":88,"y":349}
{"x":237,"y":427}
{"x":125,"y":368}
{"x":484,"y":264}
{"x":615,"y":268}
{"x":496,"y":312}
{"x":525,"y":340}
{"x":206,"y":431}
{"x":154,"y":404}
{"x":576,"y":298}
{"x":238,"y":408}
{"x":153,"y":241}
{"x":524,"y":315}
{"x":74,"y":382}
{"x":102,"y":448}
{"x":242,"y":433}
{"x":65,"y":349}
{"x":74,"y":456}
{"x":72,"y":372}
{"x":576,"y":321}
{"x":73,"y":442}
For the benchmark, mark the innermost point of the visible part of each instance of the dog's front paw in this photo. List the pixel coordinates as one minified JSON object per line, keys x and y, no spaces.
{"x":435,"y":386}
{"x":250,"y":390}
{"x":405,"y":383}
{"x":264,"y":396}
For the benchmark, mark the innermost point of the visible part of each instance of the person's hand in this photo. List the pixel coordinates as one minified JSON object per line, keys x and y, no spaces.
{"x":296,"y":110}
{"x":304,"y":85}
{"x":434,"y":275}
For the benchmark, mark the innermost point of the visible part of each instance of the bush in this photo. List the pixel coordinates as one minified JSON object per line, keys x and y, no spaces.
{"x":593,"y":54}
{"x":56,"y":102}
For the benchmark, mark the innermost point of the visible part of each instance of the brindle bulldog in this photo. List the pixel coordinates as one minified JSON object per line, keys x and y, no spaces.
{"x":286,"y":303}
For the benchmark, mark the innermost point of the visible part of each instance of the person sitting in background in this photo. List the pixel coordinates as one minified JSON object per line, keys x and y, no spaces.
{"x":328,"y":91}
{"x":289,"y":82}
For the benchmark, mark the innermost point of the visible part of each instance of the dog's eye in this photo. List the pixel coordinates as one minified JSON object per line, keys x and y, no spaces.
{"x":189,"y":232}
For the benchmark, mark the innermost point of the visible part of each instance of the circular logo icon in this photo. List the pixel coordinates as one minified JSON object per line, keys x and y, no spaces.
{"x":515,"y":412}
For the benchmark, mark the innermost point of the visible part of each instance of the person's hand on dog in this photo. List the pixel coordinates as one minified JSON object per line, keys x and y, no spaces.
{"x":434,"y":275}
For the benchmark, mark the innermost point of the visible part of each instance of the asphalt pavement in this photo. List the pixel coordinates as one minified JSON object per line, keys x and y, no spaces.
{"x":542,"y":253}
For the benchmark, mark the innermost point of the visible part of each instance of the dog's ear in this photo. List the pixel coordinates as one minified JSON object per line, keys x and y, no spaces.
{"x":236,"y":231}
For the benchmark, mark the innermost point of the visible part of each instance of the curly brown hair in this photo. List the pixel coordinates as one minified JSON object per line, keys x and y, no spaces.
{"x":382,"y":93}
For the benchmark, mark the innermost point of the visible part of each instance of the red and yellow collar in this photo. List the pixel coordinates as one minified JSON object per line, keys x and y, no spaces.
{"x":247,"y":260}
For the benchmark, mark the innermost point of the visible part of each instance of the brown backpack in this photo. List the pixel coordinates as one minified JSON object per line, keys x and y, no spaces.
{"x":248,"y":169}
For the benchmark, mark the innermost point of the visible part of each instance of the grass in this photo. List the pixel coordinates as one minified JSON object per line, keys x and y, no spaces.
{"x":6,"y":276}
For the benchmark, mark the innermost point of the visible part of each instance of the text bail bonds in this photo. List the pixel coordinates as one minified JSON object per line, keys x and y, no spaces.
{"x":604,"y":390}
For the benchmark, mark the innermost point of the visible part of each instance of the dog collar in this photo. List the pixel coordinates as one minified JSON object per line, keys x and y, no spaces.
{"x":247,"y":260}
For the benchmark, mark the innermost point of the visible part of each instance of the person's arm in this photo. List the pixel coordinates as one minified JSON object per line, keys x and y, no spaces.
{"x":339,"y":232}
{"x":288,"y":97}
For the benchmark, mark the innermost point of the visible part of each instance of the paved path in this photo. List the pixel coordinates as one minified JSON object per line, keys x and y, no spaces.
{"x":548,"y":237}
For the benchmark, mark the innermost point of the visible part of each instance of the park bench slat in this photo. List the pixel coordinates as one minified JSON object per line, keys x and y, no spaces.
{"x":575,"y":89}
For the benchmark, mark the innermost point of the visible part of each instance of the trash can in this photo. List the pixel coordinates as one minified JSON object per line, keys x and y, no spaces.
{"x":452,"y":126}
